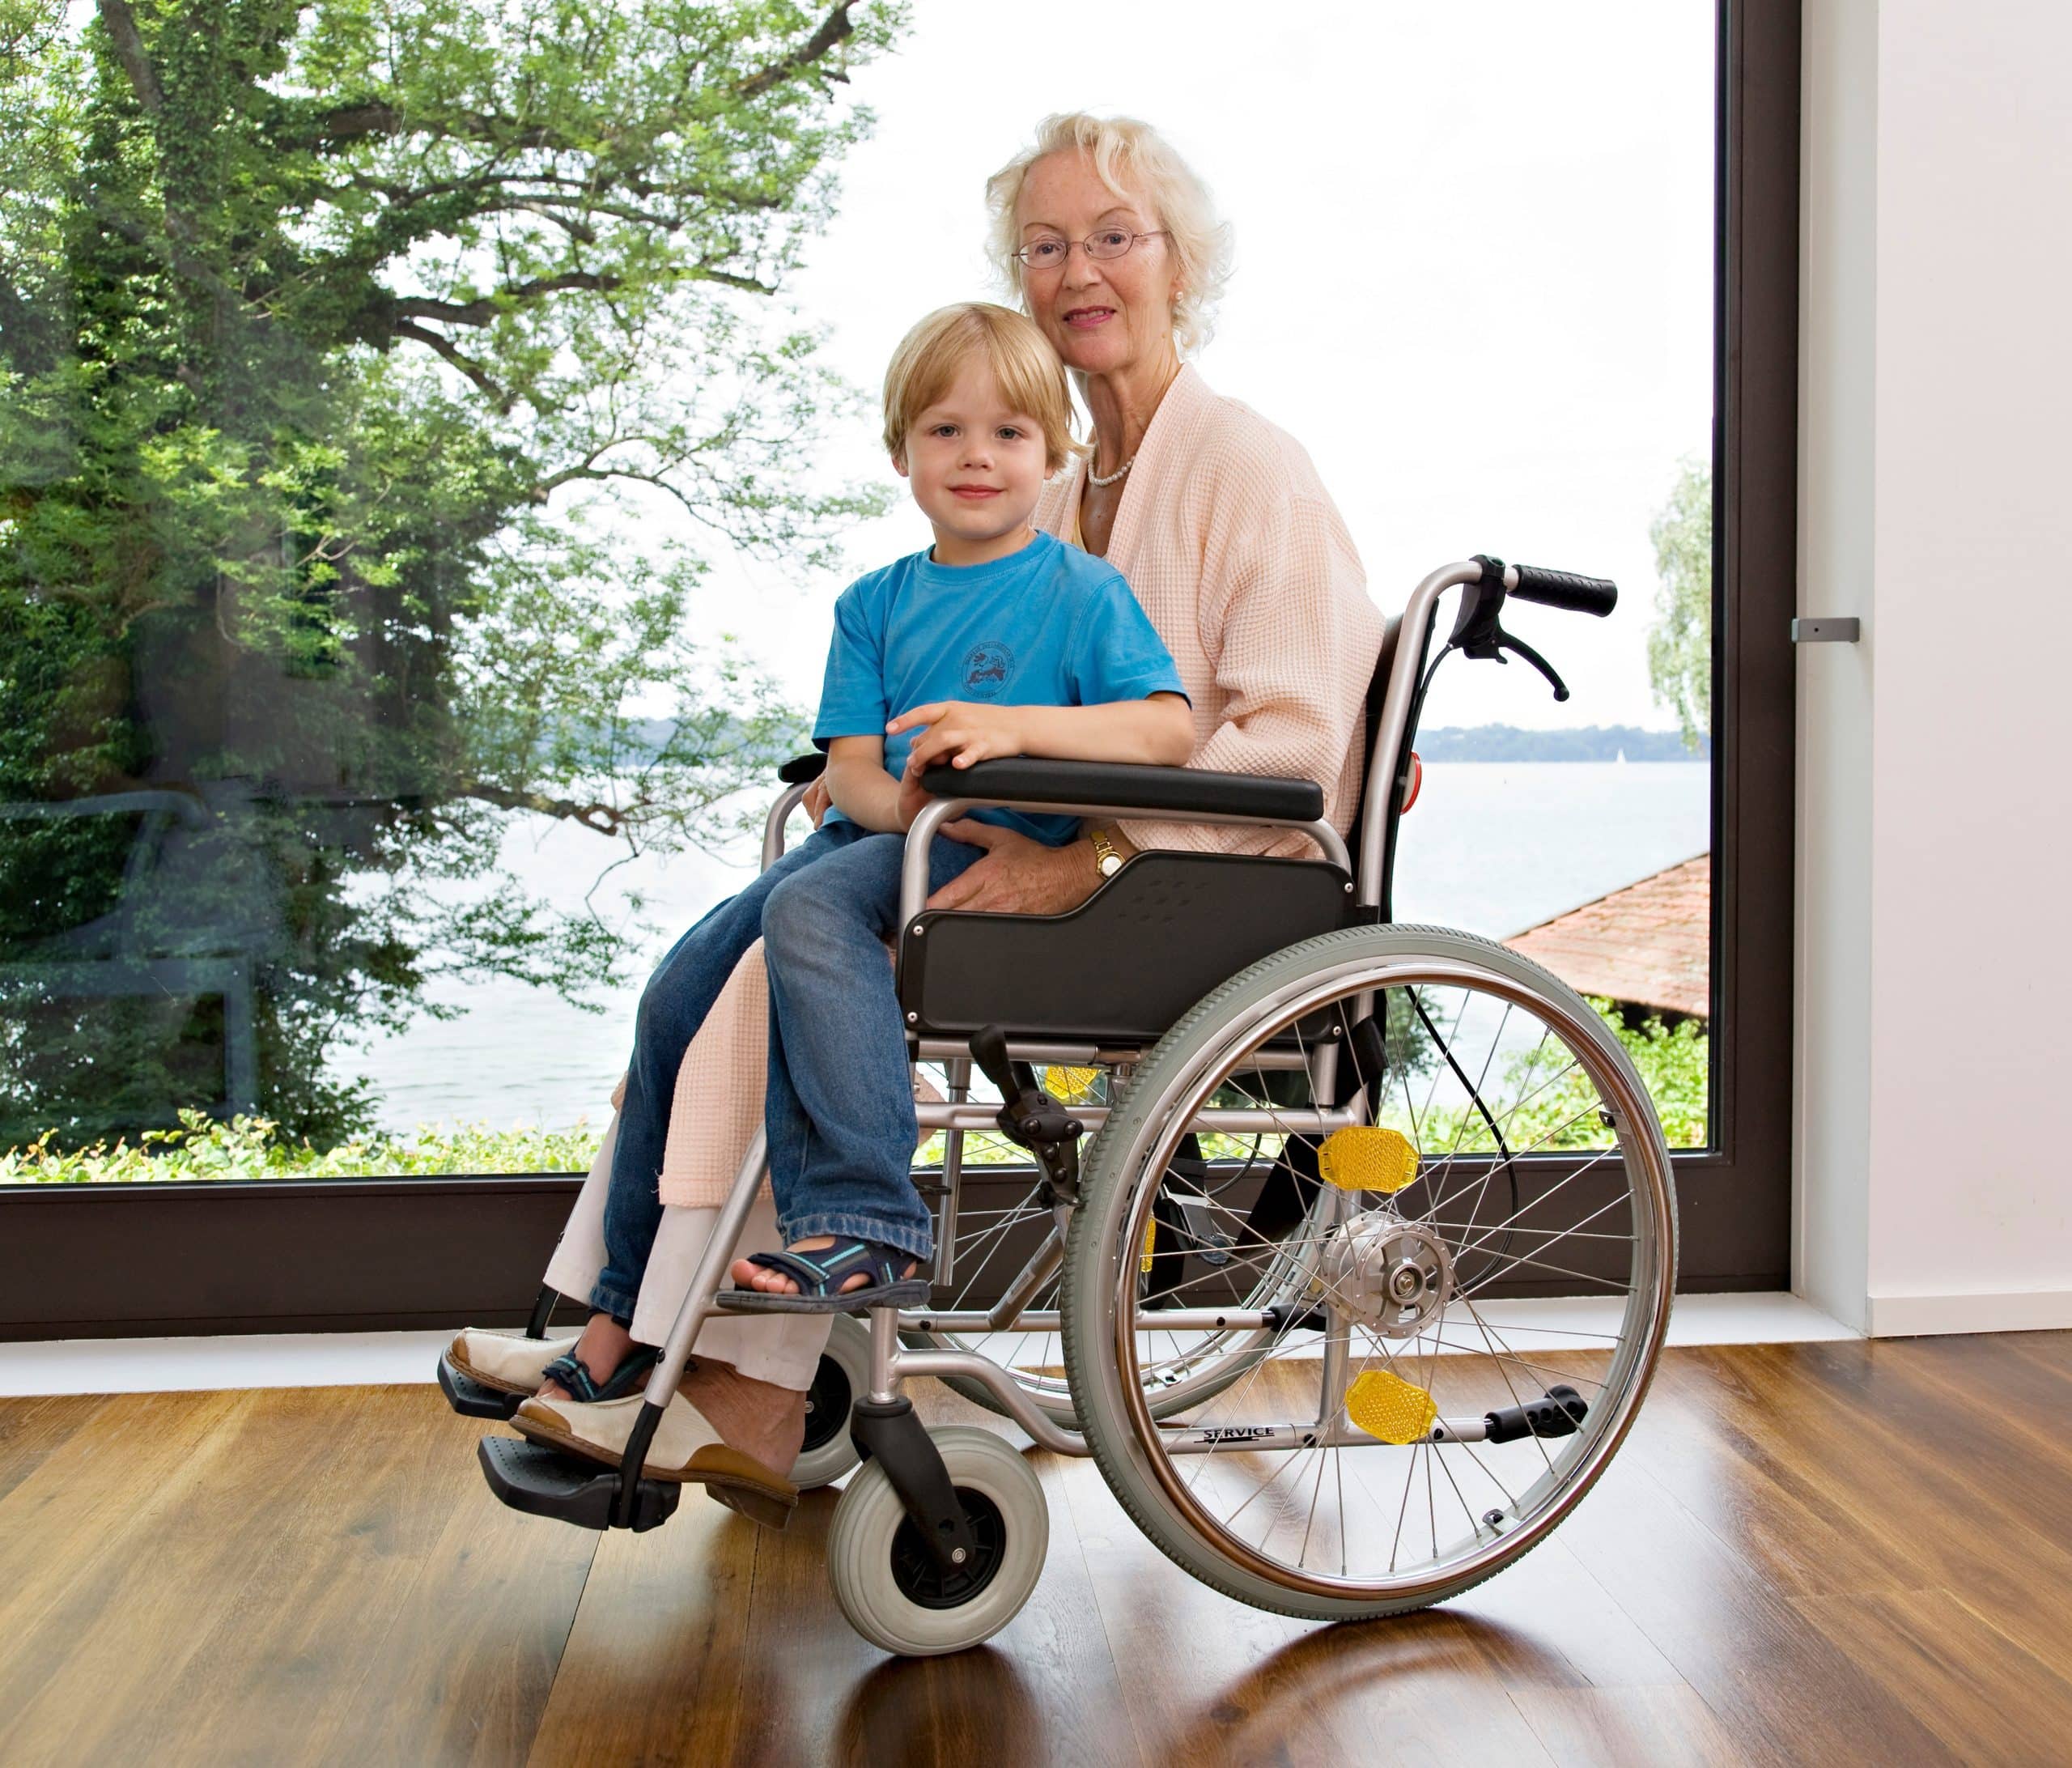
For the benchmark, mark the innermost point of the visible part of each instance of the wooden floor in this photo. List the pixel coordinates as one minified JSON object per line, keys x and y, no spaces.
{"x":1833,"y":1553}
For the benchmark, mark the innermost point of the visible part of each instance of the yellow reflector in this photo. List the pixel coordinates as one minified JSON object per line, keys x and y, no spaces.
{"x":1389,"y":1408}
{"x":1074,"y":1086}
{"x":1361,"y":1159}
{"x":1150,"y":1235}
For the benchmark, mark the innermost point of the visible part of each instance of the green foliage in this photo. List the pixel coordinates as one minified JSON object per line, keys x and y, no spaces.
{"x":1544,"y":1102}
{"x":1671,"y":1060}
{"x":206,"y":1148}
{"x":1680,"y":642}
{"x":344,"y":347}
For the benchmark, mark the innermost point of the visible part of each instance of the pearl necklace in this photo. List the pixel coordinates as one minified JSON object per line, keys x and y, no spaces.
{"x":1094,"y":478}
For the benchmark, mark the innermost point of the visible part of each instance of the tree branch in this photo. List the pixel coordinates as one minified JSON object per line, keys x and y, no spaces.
{"x":481,"y":311}
{"x":601,"y":818}
{"x":832,"y":29}
{"x":467,"y":365}
{"x":121,"y":24}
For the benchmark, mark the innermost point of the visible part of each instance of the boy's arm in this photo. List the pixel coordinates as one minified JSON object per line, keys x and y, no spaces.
{"x":859,"y":785}
{"x":1158,"y":732}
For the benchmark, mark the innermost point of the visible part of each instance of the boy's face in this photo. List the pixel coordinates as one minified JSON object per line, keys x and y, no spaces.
{"x":976,"y":466}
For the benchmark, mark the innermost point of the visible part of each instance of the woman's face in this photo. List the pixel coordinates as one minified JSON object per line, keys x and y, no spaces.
{"x":1104,"y":316}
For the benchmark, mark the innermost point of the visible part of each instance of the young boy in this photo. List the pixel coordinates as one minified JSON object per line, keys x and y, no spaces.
{"x":997,"y":640}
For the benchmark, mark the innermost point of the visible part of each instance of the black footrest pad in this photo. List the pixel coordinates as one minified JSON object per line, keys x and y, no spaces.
{"x":470,"y":1398}
{"x":540,"y":1481}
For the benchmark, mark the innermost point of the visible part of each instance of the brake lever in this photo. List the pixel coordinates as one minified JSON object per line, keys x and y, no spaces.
{"x":1538,"y":662}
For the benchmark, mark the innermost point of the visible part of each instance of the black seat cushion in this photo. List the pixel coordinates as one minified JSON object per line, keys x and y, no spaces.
{"x":1122,"y":968}
{"x":1170,"y":791}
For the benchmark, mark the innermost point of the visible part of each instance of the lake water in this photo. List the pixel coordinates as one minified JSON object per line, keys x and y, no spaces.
{"x":1491,"y":847}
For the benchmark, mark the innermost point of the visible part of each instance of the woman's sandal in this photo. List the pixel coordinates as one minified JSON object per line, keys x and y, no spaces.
{"x":821,"y":1274}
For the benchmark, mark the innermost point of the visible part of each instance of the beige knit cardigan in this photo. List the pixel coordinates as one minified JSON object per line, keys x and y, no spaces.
{"x":1230,"y":542}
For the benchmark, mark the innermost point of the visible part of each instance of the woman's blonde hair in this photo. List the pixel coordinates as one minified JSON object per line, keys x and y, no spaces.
{"x":1027,"y":371}
{"x":1135,"y":161}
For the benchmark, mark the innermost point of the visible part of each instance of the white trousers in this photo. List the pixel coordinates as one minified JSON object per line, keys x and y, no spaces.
{"x":780,"y":1348}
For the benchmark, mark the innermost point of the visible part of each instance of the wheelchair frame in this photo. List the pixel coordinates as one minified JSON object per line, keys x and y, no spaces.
{"x":883,"y":1422}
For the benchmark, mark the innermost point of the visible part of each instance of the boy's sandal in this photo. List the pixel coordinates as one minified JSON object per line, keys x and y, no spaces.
{"x":686,"y":1450}
{"x":819,"y":1275}
{"x":582,"y":1386}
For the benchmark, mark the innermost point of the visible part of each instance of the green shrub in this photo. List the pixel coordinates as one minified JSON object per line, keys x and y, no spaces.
{"x":203,"y":1148}
{"x":1671,"y":1060}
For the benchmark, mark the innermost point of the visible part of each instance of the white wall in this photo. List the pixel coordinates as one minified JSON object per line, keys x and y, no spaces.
{"x":1935,"y":806}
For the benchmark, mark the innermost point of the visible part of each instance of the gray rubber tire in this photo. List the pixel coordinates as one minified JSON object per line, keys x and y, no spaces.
{"x":860,"y":1546}
{"x":1090,"y":1277}
{"x":845,"y":1368}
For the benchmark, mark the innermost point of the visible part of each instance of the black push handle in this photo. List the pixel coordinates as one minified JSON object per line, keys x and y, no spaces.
{"x":1565,"y":589}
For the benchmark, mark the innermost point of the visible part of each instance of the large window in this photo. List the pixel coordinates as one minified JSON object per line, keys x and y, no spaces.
{"x":430,"y":447}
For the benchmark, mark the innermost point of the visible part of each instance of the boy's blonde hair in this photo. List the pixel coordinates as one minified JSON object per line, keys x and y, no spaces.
{"x":1027,"y":370}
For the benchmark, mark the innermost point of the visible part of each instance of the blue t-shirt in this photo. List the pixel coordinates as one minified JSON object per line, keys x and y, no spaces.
{"x":1047,"y":626}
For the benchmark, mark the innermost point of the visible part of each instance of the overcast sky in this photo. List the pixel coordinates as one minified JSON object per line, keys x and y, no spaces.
{"x":1474,"y":276}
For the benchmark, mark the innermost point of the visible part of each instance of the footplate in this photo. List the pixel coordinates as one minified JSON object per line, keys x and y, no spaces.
{"x":540,"y":1481}
{"x":473,"y":1399}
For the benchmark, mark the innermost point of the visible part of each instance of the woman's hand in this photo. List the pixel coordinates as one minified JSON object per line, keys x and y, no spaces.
{"x":1018,"y":876}
{"x":962,"y":731}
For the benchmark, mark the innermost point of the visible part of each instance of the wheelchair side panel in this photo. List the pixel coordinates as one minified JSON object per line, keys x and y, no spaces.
{"x":1128,"y":962}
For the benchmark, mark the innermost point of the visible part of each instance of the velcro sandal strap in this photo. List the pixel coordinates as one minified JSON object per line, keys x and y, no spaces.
{"x":823,"y":1272}
{"x":632,"y":1371}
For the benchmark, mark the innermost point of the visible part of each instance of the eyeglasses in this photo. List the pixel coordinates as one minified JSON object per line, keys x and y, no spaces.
{"x":1049,"y":254}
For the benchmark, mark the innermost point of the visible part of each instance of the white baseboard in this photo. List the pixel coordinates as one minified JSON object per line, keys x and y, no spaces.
{"x":1994,"y":1310}
{"x":231,"y":1360}
{"x":335,"y":1359}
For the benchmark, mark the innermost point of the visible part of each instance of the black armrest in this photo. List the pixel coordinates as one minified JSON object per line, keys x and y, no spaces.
{"x":803,"y":770}
{"x":1172,"y":792}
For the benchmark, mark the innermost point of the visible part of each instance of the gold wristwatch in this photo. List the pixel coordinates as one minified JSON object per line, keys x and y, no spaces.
{"x":1106,"y":860}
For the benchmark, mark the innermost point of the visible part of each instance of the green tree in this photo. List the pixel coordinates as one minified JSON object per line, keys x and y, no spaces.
{"x":346,"y":348}
{"x":1680,"y":644}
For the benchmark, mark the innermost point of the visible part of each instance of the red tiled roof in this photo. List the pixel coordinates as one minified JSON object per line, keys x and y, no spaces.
{"x":1648,"y":944}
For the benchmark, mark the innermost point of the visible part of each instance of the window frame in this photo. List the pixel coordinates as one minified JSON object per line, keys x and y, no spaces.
{"x":318,"y":1254}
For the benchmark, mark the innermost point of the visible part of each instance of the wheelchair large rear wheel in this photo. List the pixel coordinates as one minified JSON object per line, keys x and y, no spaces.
{"x":1492,"y":1280}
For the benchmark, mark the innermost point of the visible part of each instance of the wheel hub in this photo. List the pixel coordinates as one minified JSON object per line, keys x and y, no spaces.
{"x":1394,"y":1275}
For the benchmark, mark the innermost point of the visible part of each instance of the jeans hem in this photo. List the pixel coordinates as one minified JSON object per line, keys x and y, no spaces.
{"x":919,"y":1241}
{"x":605,"y":1299}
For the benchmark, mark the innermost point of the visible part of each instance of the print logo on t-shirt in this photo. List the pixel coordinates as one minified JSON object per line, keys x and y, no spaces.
{"x":987,"y":667}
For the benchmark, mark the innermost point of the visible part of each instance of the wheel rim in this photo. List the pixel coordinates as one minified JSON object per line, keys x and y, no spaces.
{"x":1329,"y":1520}
{"x":827,"y":1405}
{"x":925,"y":1581}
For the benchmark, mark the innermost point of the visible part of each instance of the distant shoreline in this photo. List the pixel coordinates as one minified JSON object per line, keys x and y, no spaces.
{"x":1587,"y":742}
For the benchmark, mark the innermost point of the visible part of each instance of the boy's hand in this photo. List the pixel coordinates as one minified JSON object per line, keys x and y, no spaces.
{"x":912,"y":798}
{"x":960,"y":731}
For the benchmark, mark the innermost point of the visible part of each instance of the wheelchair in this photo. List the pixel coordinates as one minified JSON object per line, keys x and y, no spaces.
{"x":1345,"y":1249}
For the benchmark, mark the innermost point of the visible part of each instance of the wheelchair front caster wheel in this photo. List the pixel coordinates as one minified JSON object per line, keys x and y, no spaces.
{"x":893,"y":1589}
{"x":844,"y":1373}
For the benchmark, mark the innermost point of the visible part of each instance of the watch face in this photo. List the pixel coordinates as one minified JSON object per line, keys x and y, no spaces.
{"x":1111,"y":864}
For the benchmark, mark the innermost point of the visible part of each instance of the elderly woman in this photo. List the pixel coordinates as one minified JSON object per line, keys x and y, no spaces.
{"x":1225,"y":533}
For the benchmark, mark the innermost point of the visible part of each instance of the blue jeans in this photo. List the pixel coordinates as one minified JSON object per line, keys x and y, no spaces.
{"x":840,"y":1108}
